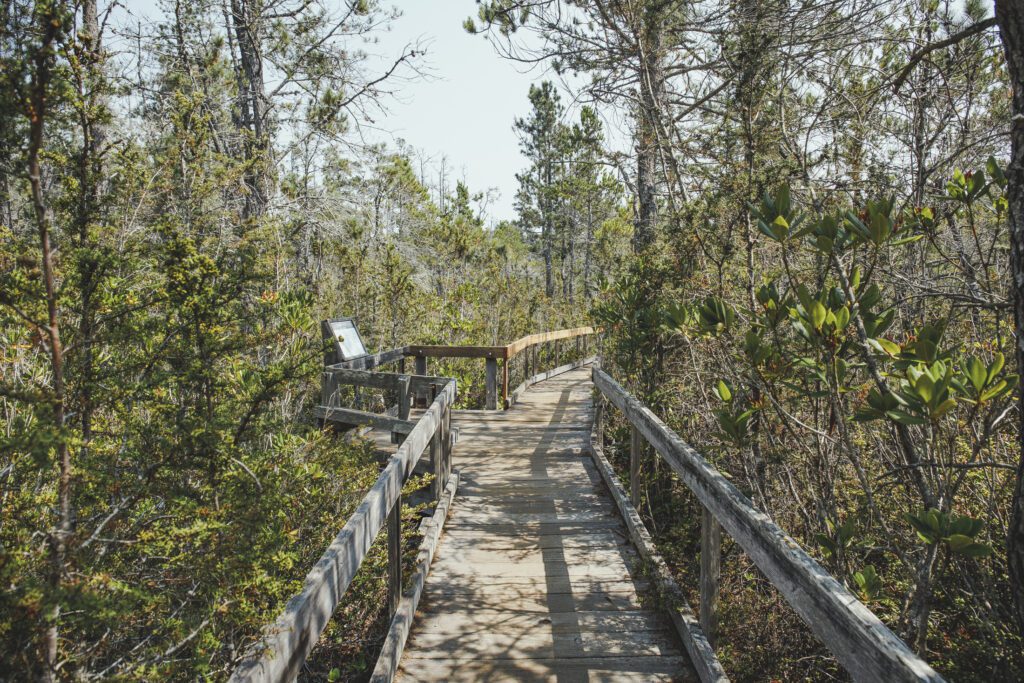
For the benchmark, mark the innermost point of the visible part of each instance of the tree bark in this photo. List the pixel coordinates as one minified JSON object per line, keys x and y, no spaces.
{"x":652,"y":79}
{"x":90,"y":170}
{"x":59,"y":536}
{"x":253,"y":105}
{"x":1010,"y":15}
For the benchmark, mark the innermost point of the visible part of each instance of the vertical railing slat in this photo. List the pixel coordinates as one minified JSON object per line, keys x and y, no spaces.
{"x":710,"y":571}
{"x":394,"y":527}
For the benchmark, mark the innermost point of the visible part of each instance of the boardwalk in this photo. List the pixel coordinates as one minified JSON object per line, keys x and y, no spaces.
{"x":534,"y":576}
{"x":525,"y":570}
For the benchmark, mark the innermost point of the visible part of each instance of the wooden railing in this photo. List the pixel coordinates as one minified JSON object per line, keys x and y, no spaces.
{"x":864,"y":646}
{"x":278,"y":656}
{"x":280,"y":653}
{"x":532,"y":351}
{"x":502,"y":364}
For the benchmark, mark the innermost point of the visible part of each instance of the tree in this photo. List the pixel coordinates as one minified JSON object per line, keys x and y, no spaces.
{"x":542,"y":140}
{"x":1010,"y":16}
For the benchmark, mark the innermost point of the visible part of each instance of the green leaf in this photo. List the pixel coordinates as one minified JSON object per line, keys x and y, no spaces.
{"x":975,"y":550}
{"x":958,"y":541}
{"x":943,"y":408}
{"x":927,"y":528}
{"x":886,"y":346}
{"x":977,"y":373}
{"x":995,"y":391}
{"x":998,"y":361}
{"x":722,"y":389}
{"x":868,"y":582}
{"x":818,"y":312}
{"x":842,"y":318}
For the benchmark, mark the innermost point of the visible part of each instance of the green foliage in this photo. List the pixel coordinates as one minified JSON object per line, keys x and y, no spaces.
{"x":957,"y":532}
{"x":869,"y":585}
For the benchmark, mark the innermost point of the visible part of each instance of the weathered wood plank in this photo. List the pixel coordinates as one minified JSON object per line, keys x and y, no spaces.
{"x":394,"y":530}
{"x":710,"y":569}
{"x":551,"y":670}
{"x":506,"y":621}
{"x":441,"y":351}
{"x":363,"y":378}
{"x":352,"y":417}
{"x":519,"y":646}
{"x":540,"y":600}
{"x":702,"y":654}
{"x":543,"y":337}
{"x":858,"y":638}
{"x":372,"y":361}
{"x":401,"y":623}
{"x":491,"y":384}
{"x":284,"y":646}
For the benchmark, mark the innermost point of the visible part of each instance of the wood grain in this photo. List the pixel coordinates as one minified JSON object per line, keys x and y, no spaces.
{"x":865,"y":647}
{"x":534,"y":578}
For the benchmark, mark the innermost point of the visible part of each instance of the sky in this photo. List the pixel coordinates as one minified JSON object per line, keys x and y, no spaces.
{"x":464,"y":110}
{"x":460,"y":114}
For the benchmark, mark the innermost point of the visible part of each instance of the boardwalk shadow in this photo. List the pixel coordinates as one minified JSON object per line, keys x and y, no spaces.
{"x":533,"y":578}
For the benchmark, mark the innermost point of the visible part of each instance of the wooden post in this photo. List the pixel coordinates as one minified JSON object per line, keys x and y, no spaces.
{"x":446,"y":446}
{"x":421,"y":369}
{"x":437,"y":461}
{"x":394,"y":526}
{"x":636,"y":445}
{"x":401,"y":366}
{"x":328,"y":390}
{"x":504,"y":384}
{"x":491,"y":398}
{"x":404,"y":400}
{"x":710,"y":570}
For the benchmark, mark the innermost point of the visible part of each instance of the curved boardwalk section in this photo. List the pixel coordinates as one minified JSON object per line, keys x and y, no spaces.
{"x":534,"y":579}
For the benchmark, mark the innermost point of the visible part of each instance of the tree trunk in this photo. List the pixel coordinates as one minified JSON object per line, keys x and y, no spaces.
{"x":91,"y":176}
{"x":1010,"y":15}
{"x":253,"y":105}
{"x":651,"y":84}
{"x":58,"y":537}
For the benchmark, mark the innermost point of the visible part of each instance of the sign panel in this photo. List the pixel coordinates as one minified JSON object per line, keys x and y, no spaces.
{"x":350,"y":344}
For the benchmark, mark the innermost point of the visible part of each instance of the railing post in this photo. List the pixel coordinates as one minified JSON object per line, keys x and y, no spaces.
{"x":504,"y":384}
{"x":421,"y":369}
{"x":526,"y":363}
{"x":491,"y":399}
{"x":710,"y":570}
{"x":437,"y":460}
{"x":395,"y":556}
{"x":404,"y":400}
{"x":446,"y":445}
{"x":636,"y":445}
{"x":328,"y":390}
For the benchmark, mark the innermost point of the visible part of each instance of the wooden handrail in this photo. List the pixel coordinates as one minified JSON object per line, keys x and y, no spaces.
{"x":523,"y":343}
{"x":492,"y":354}
{"x":279,"y":654}
{"x":865,"y":647}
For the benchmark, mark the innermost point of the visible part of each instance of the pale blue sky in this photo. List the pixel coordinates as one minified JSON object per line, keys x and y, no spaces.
{"x":464,"y":110}
{"x":461,"y":114}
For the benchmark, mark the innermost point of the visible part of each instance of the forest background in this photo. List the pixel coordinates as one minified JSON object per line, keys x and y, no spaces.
{"x":803,"y":259}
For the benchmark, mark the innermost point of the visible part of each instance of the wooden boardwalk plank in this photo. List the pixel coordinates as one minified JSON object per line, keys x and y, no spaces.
{"x":534,"y":578}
